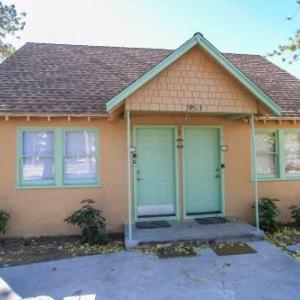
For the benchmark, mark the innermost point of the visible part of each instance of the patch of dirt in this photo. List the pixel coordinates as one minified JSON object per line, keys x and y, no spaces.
{"x":17,"y":251}
{"x":171,"y":250}
{"x":284,"y":237}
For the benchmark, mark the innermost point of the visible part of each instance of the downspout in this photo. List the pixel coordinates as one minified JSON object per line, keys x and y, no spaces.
{"x":254,"y":175}
{"x":129,"y":175}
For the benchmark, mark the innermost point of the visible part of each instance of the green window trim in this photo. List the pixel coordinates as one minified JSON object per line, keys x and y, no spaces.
{"x":59,"y":180}
{"x":280,"y":173}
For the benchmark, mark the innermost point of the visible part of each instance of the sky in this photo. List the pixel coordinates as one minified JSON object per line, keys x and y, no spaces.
{"x":238,"y":26}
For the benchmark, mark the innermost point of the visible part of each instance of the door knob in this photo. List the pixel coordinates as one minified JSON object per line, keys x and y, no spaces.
{"x":139,"y":178}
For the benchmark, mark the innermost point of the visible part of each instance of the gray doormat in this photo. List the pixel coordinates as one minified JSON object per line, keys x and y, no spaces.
{"x":232,"y":249}
{"x":212,"y":220}
{"x":152,"y":224}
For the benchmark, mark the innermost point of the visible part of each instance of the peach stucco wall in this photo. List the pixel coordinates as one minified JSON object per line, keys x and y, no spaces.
{"x":37,"y":212}
{"x":42,"y":211}
{"x":194,"y":79}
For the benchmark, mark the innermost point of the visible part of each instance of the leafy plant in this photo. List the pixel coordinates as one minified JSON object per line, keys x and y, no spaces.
{"x":91,"y":222}
{"x":295,"y":213}
{"x":4,"y":217}
{"x":268,"y":214}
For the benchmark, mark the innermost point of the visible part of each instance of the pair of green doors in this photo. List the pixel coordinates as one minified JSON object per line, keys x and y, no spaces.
{"x":156,"y":172}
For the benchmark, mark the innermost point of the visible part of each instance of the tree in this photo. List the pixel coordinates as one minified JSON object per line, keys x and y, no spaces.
{"x":291,"y":50}
{"x":10,"y":23}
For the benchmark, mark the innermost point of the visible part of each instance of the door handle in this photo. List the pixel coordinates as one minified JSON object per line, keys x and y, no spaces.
{"x":139,"y":178}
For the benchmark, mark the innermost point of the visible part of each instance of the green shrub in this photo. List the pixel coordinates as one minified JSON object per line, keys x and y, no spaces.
{"x":295,"y":213}
{"x":4,"y":217}
{"x":268,"y":213}
{"x":91,"y":222}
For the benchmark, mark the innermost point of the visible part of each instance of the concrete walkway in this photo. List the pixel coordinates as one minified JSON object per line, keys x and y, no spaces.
{"x":268,"y":274}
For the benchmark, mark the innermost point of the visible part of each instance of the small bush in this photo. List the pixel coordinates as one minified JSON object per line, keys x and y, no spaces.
{"x":4,"y":217}
{"x":91,"y":222}
{"x":295,"y":213}
{"x":268,"y":213}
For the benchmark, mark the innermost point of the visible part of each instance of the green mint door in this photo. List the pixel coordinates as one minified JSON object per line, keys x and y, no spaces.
{"x":155,"y":172}
{"x":201,"y":163}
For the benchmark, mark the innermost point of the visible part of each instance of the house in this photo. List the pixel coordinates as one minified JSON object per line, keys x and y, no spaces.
{"x":149,"y":134}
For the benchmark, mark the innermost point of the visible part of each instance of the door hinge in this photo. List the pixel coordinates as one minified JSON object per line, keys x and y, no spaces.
{"x":179,"y":143}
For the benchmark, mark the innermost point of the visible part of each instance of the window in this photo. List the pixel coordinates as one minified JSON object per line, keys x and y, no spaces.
{"x":80,"y":163}
{"x":277,"y":154}
{"x":266,"y":153}
{"x":58,"y":157}
{"x":37,"y":157}
{"x":292,"y":152}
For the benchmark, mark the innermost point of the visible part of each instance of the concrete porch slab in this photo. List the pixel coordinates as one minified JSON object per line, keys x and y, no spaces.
{"x":190,"y":230}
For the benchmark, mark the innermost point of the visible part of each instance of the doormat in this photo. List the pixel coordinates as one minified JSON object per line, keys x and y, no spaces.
{"x":212,"y":220}
{"x":224,"y":249}
{"x":152,"y":224}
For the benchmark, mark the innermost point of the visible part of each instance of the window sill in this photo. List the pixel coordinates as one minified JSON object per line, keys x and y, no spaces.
{"x":279,"y":179}
{"x":51,"y":187}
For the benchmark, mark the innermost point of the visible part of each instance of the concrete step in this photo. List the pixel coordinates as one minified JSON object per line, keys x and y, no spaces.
{"x":191,"y":231}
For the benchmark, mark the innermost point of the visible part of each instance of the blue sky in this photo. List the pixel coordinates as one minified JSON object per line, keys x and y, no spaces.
{"x":241,"y":26}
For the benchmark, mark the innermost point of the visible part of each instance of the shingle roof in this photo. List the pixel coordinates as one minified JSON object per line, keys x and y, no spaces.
{"x":70,"y":79}
{"x":280,"y":85}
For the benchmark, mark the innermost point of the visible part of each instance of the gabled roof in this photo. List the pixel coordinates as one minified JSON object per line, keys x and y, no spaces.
{"x":69,"y":79}
{"x":197,"y":40}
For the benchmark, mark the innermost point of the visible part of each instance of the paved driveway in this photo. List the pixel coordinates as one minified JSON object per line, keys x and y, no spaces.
{"x":268,"y":274}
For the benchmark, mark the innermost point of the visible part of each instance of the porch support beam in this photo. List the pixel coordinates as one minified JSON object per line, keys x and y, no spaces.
{"x":254,"y":175}
{"x":129,"y":175}
{"x":237,"y":116}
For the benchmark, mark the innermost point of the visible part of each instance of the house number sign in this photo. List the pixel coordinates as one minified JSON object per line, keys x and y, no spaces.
{"x":194,"y":108}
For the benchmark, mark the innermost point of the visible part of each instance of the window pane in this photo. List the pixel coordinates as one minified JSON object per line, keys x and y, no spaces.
{"x":80,"y":143}
{"x":291,"y":142}
{"x":80,"y":168}
{"x":292,"y":152}
{"x":265,"y":142}
{"x":37,"y":143}
{"x":38,"y":168}
{"x":265,"y":164}
{"x":292,"y":163}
